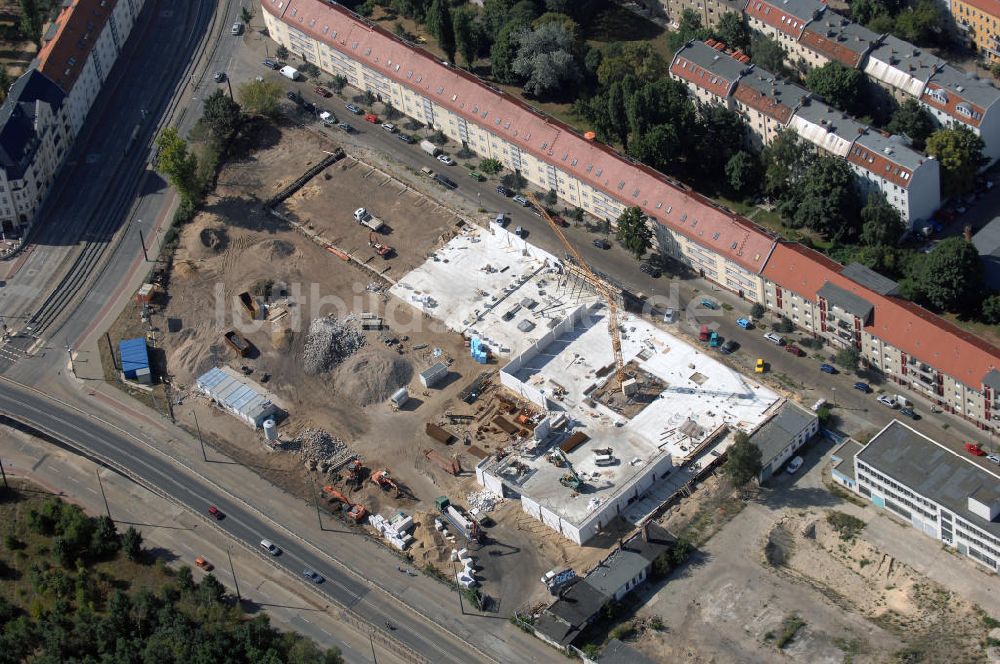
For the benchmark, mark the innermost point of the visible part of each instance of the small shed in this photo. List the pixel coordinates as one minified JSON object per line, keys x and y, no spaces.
{"x":135,"y":360}
{"x":434,"y":375}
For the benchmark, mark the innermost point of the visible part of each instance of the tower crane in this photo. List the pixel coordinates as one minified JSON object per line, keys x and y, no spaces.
{"x":602,"y":289}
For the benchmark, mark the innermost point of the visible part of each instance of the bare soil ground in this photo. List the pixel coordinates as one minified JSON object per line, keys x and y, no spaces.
{"x":234,"y":245}
{"x":15,"y":55}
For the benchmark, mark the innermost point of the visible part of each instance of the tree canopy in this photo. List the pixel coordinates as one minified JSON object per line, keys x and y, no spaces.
{"x":769,"y":54}
{"x":951,"y":276}
{"x":913,"y":121}
{"x":733,"y":30}
{"x":223,"y":117}
{"x":180,"y":165}
{"x":545,"y":60}
{"x":841,"y":86}
{"x":259,"y":97}
{"x":633,"y":231}
{"x":881,"y":224}
{"x":960,"y":153}
{"x":743,"y":460}
{"x":638,"y":59}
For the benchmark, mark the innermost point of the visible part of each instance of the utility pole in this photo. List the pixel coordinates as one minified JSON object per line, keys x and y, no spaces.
{"x":197,"y":426}
{"x":319,"y":516}
{"x":229,"y":84}
{"x":142,"y":241}
{"x":232,"y":569}
{"x":103,"y":495}
{"x":371,"y":640}
{"x":4,"y":475}
{"x":458,"y":587}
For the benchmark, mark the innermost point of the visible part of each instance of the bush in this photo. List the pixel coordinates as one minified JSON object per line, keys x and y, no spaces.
{"x":577,"y":214}
{"x":514,"y":181}
{"x":758,"y":310}
{"x":465,"y":153}
{"x":622,"y":632}
{"x":490,"y":166}
{"x":310,"y":70}
{"x":784,"y":325}
{"x":438,"y":138}
{"x":847,"y":526}
{"x":281,"y":53}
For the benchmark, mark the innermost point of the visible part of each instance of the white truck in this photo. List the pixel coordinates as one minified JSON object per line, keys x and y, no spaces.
{"x":290,"y":72}
{"x":430,"y":148}
{"x":365,"y":218}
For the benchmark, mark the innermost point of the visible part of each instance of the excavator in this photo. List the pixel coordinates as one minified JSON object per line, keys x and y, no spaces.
{"x":384,"y":481}
{"x":381,"y":249}
{"x":356,"y":512}
{"x":354,"y":474}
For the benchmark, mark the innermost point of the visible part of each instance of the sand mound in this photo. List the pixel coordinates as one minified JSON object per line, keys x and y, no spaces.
{"x":271,"y":250}
{"x":281,"y":339}
{"x":214,"y":239}
{"x":371,"y":376}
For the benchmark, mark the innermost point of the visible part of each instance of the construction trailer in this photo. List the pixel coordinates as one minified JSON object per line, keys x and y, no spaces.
{"x":135,"y":360}
{"x":434,"y":375}
{"x":238,"y":395}
{"x":466,"y":525}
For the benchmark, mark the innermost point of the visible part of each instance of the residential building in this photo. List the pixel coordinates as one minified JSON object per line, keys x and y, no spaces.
{"x":47,"y":110}
{"x":788,"y":429}
{"x":952,"y":95}
{"x":624,"y":570}
{"x":987,"y":243}
{"x":909,"y":180}
{"x":913,"y":347}
{"x":710,"y":11}
{"x":949,"y":497}
{"x":786,"y":21}
{"x":980,"y":19}
{"x":34,"y":139}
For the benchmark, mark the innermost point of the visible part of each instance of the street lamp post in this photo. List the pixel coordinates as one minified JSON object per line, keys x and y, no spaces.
{"x":232,"y":569}
{"x":200,"y":439}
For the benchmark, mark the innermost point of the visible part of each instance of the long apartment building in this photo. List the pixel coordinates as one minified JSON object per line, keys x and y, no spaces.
{"x":909,"y":180}
{"x":980,"y":20}
{"x":47,"y":106}
{"x":910,"y":345}
{"x":952,"y":499}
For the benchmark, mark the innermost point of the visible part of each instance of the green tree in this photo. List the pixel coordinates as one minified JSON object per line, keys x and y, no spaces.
{"x":639,"y":59}
{"x":31,"y":21}
{"x":995,"y":69}
{"x":105,"y":540}
{"x":661,"y":147}
{"x":720,"y":133}
{"x":634,"y":232}
{"x":259,"y":97}
{"x":951,"y":275}
{"x":5,"y":82}
{"x":494,"y":16}
{"x":439,"y":24}
{"x":338,"y":83}
{"x":881,"y":224}
{"x":848,"y":358}
{"x":913,"y":121}
{"x":825,"y":200}
{"x":490,"y":166}
{"x":769,"y":54}
{"x":840,"y":86}
{"x":467,"y":35}
{"x":866,"y":11}
{"x":784,"y":161}
{"x":960,"y":153}
{"x":743,"y":461}
{"x":757,"y":311}
{"x":920,"y":23}
{"x":281,"y":52}
{"x":743,"y":173}
{"x":132,"y":544}
{"x":178,"y":163}
{"x":991,"y":309}
{"x":784,"y":325}
{"x":662,"y":102}
{"x":504,"y":52}
{"x":689,"y":27}
{"x":223,"y":116}
{"x":545,"y":61}
{"x":733,"y":30}
{"x":246,"y":13}
{"x":210,"y":591}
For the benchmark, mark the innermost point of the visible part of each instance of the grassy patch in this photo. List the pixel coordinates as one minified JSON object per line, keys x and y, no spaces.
{"x":847,"y":526}
{"x":790,"y":626}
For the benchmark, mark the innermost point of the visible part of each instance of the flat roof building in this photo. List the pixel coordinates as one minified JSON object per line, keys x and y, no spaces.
{"x":135,"y":359}
{"x":238,"y":395}
{"x":950,"y":497}
{"x":789,"y":428}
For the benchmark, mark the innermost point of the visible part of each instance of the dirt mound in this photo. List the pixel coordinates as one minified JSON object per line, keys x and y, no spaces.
{"x":281,"y":339}
{"x":214,"y":238}
{"x":271,"y":250}
{"x":371,"y":376}
{"x":329,"y":342}
{"x":205,"y":237}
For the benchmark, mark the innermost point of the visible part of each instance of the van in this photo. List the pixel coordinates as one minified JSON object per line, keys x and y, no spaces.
{"x":703,"y":334}
{"x":902,"y":401}
{"x":290,"y":72}
{"x":270,"y":547}
{"x":604,"y":459}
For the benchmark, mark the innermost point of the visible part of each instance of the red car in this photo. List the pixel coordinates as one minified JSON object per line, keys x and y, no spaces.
{"x":794,"y":350}
{"x":974,"y":449}
{"x":323,"y":92}
{"x":216,"y":512}
{"x":371,"y":117}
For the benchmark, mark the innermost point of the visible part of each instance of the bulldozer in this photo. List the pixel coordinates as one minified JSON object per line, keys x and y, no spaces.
{"x":384,"y":481}
{"x":356,"y":512}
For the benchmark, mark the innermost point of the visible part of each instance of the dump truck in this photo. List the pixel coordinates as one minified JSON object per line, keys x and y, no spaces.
{"x":237,"y":342}
{"x":365,"y":218}
{"x":466,"y":525}
{"x":430,"y":148}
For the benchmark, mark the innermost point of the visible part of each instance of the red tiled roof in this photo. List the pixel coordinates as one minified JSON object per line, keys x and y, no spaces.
{"x":777,"y":18}
{"x":769,"y":106}
{"x":991,"y":7}
{"x":876,"y":163}
{"x":695,"y":73}
{"x":593,"y":163}
{"x":78,"y":26}
{"x":831,"y":49}
{"x":910,"y":328}
{"x":953,"y":101}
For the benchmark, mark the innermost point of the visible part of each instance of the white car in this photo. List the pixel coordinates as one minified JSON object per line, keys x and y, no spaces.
{"x":270,"y":547}
{"x":236,"y":29}
{"x":887,"y":401}
{"x":445,"y":159}
{"x":774,"y":338}
{"x":794,"y":465}
{"x":389,"y":127}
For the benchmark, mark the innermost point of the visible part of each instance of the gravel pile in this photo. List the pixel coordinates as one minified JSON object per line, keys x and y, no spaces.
{"x":484,"y":501}
{"x":329,"y":342}
{"x":317,"y":446}
{"x":371,"y":376}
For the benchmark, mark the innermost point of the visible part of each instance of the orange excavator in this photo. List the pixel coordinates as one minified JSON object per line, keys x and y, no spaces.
{"x":382,"y":479}
{"x":381,"y":249}
{"x":354,"y":474}
{"x":356,"y":512}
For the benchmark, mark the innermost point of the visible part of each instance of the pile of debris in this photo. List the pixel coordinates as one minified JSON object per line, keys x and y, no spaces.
{"x":395,"y":531}
{"x":329,"y":342}
{"x":320,"y":450}
{"x":484,"y":501}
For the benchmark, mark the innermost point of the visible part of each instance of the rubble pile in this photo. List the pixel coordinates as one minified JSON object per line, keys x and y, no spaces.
{"x":330,"y":340}
{"x":484,"y":501}
{"x":320,"y":450}
{"x":396,"y":531}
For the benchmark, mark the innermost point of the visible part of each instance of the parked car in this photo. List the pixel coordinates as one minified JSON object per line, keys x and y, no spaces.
{"x":794,"y":350}
{"x":450,"y":184}
{"x":670,"y":315}
{"x":909,"y":412}
{"x":704,"y":333}
{"x":406,"y":138}
{"x":744,"y":323}
{"x":201,"y":563}
{"x":601,"y":243}
{"x":729,"y":347}
{"x":648,"y":268}
{"x":974,"y":449}
{"x":708,"y":303}
{"x":270,"y":547}
{"x":353,"y":109}
{"x":522,"y":201}
{"x":887,"y":401}
{"x":216,"y":513}
{"x":237,"y":29}
{"x":312,"y":576}
{"x":519,"y":232}
{"x":294,"y":96}
{"x":759,"y":367}
{"x":828,"y":368}
{"x":863,"y":387}
{"x":220,"y":76}
{"x":309,"y":106}
{"x":794,"y":465}
{"x":774,"y":339}
{"x":500,"y":220}
{"x":477,"y":176}
{"x":389,"y":127}
{"x":371,"y":117}
{"x":346,"y":127}
{"x":445,"y":159}
{"x":271,"y":64}
{"x":322,"y":92}
{"x":504,"y":191}
{"x":993,"y":458}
